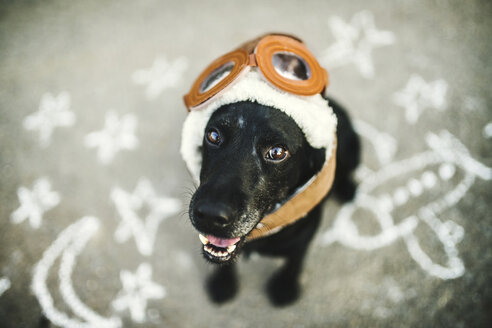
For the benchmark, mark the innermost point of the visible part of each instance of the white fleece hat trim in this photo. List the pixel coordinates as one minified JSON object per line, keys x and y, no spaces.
{"x":311,"y":113}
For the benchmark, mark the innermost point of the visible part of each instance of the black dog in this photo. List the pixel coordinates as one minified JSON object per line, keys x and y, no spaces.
{"x":255,"y":157}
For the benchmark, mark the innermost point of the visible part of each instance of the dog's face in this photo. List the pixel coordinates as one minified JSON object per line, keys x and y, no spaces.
{"x":254,"y":158}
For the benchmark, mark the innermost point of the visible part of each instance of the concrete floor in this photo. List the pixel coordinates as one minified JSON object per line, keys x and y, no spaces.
{"x":93,"y":192}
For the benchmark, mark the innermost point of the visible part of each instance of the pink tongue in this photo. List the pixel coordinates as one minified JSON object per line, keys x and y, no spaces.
{"x":219,"y":242}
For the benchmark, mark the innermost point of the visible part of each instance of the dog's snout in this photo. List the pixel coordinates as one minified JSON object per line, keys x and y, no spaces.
{"x":216,"y":214}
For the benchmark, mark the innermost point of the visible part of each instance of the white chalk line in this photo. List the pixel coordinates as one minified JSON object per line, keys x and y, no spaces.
{"x":137,"y":289}
{"x":4,"y":285}
{"x":118,"y":134}
{"x":345,"y":231}
{"x":487,"y":131}
{"x":384,"y":144}
{"x":419,"y":95}
{"x":53,"y":111}
{"x":162,"y":75}
{"x":355,"y":42}
{"x":449,"y":234}
{"x":67,"y":265}
{"x":70,"y":242}
{"x":452,"y":150}
{"x":33,"y":203}
{"x":447,"y":150}
{"x":143,"y":231}
{"x":396,"y":169}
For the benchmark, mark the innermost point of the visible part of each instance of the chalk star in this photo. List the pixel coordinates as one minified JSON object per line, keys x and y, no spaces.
{"x":487,"y":130}
{"x":355,"y":42}
{"x":53,"y":112}
{"x":419,"y":95}
{"x":162,"y":75}
{"x":137,"y":289}
{"x":116,"y":135}
{"x":4,"y":285}
{"x":131,"y":224}
{"x":34,"y":203}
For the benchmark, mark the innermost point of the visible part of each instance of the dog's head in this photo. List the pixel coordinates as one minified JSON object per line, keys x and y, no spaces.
{"x":253,"y":158}
{"x":258,"y":130}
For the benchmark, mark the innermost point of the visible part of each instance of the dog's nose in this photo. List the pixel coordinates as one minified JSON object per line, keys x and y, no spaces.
{"x":213,"y":213}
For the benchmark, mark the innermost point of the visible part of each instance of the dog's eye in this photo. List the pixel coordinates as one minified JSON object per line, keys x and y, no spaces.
{"x":213,"y":137}
{"x":277,"y":154}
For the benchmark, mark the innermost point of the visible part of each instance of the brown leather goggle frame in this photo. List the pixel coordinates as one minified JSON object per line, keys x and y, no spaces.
{"x":259,"y":52}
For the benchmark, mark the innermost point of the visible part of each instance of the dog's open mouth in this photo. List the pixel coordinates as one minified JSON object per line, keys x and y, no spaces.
{"x":219,"y":250}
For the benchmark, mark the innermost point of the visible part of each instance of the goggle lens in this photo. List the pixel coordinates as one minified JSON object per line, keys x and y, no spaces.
{"x":291,"y":66}
{"x":216,"y":76}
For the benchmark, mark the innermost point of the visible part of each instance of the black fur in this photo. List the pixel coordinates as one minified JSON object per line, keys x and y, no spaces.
{"x":239,"y":186}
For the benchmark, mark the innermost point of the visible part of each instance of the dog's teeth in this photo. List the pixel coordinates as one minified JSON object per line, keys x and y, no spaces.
{"x":215,"y":253}
{"x":203,"y":239}
{"x":231,"y":248}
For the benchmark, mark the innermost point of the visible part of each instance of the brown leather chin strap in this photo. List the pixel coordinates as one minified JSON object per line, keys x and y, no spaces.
{"x":300,"y":204}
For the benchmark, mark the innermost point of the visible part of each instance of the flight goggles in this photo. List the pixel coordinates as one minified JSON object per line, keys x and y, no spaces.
{"x":283,"y":60}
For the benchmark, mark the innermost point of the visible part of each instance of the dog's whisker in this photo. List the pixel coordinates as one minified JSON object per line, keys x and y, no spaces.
{"x":188,"y":192}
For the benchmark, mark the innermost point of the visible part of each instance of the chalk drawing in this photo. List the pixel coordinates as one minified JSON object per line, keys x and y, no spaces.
{"x":4,"y":285}
{"x":447,"y":152}
{"x":128,"y":205}
{"x":487,"y":131}
{"x":384,"y":144}
{"x":355,"y":42}
{"x":33,"y":203}
{"x":162,"y":75}
{"x":53,"y":111}
{"x":419,"y":95}
{"x":117,"y":134}
{"x":137,"y":289}
{"x":68,"y":245}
